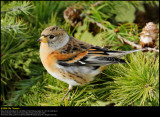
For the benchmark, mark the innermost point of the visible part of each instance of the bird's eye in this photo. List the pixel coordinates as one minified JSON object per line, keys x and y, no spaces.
{"x":51,"y":36}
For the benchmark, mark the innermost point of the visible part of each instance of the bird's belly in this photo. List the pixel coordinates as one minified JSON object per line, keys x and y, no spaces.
{"x":80,"y":74}
{"x":68,"y":80}
{"x":73,"y":75}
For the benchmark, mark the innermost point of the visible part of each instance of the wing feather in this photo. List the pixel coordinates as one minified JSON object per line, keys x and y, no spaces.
{"x":83,"y":54}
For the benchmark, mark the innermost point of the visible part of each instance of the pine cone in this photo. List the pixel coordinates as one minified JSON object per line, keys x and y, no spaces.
{"x":149,"y":35}
{"x":73,"y":16}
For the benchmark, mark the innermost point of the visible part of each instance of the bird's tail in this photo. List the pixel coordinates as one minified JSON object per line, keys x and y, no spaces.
{"x":122,"y":53}
{"x":131,"y":51}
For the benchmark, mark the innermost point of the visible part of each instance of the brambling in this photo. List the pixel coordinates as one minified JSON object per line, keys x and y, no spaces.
{"x":73,"y":61}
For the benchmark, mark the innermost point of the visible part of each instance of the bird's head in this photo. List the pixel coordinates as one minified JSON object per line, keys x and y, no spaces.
{"x":54,"y":36}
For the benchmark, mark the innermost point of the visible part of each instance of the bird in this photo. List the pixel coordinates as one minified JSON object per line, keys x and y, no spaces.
{"x":73,"y":61}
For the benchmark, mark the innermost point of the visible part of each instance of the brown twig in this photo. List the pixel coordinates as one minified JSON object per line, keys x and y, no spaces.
{"x":98,"y":24}
{"x":152,"y":49}
{"x":97,"y":3}
{"x":123,"y":40}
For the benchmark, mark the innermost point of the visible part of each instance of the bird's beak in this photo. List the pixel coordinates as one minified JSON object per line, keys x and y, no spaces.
{"x":42,"y":39}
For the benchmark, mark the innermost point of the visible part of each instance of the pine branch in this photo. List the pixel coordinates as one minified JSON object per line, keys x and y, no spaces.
{"x":11,"y":27}
{"x":97,"y":3}
{"x":13,"y":9}
{"x":20,"y":7}
{"x":153,"y":49}
{"x":135,"y":80}
{"x":9,"y":24}
{"x":98,"y":24}
{"x":123,"y":40}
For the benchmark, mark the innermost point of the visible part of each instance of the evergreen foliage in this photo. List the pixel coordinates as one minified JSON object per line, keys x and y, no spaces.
{"x":24,"y":81}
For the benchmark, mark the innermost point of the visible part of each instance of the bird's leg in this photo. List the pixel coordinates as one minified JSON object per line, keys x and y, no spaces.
{"x":70,"y":89}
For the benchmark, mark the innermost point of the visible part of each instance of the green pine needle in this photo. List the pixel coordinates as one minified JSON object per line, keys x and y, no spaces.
{"x":138,"y":81}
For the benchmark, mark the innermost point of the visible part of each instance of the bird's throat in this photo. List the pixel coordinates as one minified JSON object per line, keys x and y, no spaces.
{"x":44,"y":51}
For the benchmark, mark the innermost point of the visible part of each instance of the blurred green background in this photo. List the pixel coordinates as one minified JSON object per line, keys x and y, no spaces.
{"x":24,"y":81}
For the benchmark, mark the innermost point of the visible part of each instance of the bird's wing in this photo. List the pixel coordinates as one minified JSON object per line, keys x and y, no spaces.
{"x":82,"y":54}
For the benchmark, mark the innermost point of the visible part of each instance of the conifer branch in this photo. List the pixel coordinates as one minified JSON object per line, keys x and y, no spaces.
{"x":97,"y":3}
{"x":14,"y":9}
{"x":18,"y":9}
{"x":98,"y":24}
{"x":8,"y":24}
{"x":123,"y":40}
